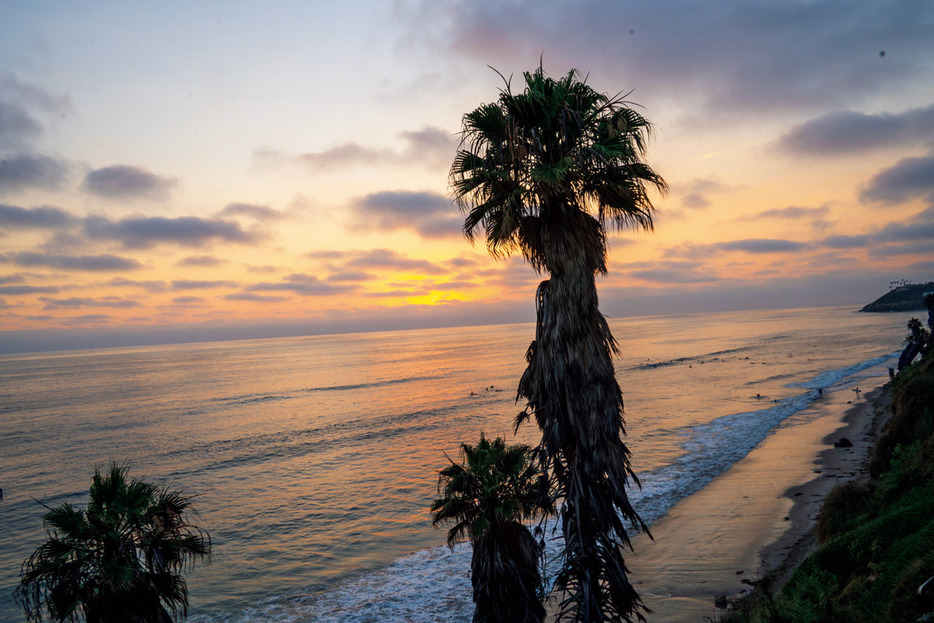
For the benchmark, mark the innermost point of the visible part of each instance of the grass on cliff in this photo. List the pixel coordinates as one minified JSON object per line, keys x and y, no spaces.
{"x":878,"y":537}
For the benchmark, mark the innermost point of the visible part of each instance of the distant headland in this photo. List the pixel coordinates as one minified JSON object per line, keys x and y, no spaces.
{"x":903,"y":296}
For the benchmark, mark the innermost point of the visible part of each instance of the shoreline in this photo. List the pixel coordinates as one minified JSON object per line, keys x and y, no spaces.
{"x":862,"y":422}
{"x":758,"y":518}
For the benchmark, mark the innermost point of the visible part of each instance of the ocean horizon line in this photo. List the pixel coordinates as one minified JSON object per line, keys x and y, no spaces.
{"x":49,"y":342}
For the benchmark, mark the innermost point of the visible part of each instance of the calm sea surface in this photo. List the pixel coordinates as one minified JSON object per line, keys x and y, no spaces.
{"x":313,"y":460}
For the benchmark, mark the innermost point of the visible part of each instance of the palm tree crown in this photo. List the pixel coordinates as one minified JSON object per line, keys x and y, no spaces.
{"x":556,"y":152}
{"x":486,"y":498}
{"x":543,"y":172}
{"x":119,"y":559}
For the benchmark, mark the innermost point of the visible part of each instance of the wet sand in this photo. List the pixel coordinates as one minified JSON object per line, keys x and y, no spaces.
{"x":759,"y":516}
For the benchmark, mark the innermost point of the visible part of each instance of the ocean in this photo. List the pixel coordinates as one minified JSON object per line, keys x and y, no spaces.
{"x":313,"y":460}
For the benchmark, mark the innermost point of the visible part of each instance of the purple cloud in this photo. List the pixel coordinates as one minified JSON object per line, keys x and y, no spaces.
{"x":429,"y":146}
{"x":429,"y":214}
{"x":255,"y":298}
{"x":201,"y":260}
{"x":190,"y":284}
{"x":25,"y":289}
{"x":907,"y":179}
{"x":102,"y":263}
{"x":305,"y":285}
{"x":258,"y":212}
{"x":79,"y":302}
{"x":28,"y":170}
{"x":42,"y":217}
{"x":849,"y":132}
{"x":139,"y":232}
{"x":127,"y":182}
{"x":761,"y":245}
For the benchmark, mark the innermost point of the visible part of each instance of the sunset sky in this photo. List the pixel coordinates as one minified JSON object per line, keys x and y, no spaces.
{"x":176,"y":171}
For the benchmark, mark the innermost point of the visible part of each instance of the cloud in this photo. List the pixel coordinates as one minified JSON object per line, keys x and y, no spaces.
{"x":349,"y":275}
{"x":43,"y":217}
{"x":29,"y":170}
{"x":16,"y":124}
{"x":387,"y":259}
{"x":149,"y":286}
{"x":188,"y":300}
{"x":792,"y":213}
{"x":139,"y":232}
{"x":19,"y":105}
{"x":748,"y":245}
{"x":431,"y":215}
{"x":127,"y":182}
{"x":761,"y":245}
{"x":32,"y":96}
{"x":201,"y":260}
{"x":429,"y":146}
{"x":674,"y":275}
{"x":462,"y":262}
{"x":909,"y":248}
{"x":846,"y":242}
{"x":305,"y":285}
{"x":79,"y":302}
{"x":86,"y":319}
{"x":695,"y":200}
{"x":345,"y":155}
{"x":255,"y":298}
{"x":694,"y":192}
{"x":903,"y":232}
{"x":190,"y":284}
{"x":12,"y":290}
{"x":258,"y":212}
{"x":909,"y":178}
{"x":915,"y":235}
{"x":329,"y":254}
{"x":100,"y":263}
{"x":849,"y":132}
{"x":722,"y":56}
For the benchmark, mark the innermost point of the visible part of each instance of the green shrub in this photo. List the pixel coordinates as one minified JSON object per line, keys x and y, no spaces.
{"x":877,"y":539}
{"x":912,"y":413}
{"x":843,"y":507}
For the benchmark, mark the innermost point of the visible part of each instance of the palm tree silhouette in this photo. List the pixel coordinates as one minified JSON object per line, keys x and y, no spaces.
{"x":486,"y":497}
{"x":121,"y":559}
{"x":542,"y":172}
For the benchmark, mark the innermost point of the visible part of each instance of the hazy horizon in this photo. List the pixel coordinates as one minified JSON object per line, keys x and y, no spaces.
{"x":47,"y":341}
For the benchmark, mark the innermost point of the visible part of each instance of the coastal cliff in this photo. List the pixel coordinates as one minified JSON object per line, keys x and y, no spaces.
{"x":909,"y":297}
{"x":874,"y":561}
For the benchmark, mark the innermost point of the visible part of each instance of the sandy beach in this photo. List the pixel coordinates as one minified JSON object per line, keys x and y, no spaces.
{"x":759,"y":516}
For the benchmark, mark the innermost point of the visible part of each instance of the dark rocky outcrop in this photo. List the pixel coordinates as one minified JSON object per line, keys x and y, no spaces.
{"x":903,"y":298}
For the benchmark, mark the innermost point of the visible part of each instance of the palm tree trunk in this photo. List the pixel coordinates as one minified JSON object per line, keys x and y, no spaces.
{"x":571,"y":388}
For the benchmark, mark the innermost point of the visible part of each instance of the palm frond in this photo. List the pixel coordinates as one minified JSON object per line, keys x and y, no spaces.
{"x":120,"y":558}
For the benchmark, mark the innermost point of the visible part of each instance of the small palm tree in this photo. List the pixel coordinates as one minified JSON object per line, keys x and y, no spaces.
{"x":543,"y":172}
{"x":487,"y":497}
{"x":121,"y":559}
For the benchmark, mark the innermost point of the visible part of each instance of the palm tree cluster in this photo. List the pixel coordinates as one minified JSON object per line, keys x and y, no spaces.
{"x":487,"y":497}
{"x":119,"y":560}
{"x":542,"y":172}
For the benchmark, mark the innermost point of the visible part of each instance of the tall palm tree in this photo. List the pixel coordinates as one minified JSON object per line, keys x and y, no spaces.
{"x":542,"y":172}
{"x":486,"y":497}
{"x":120,"y":559}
